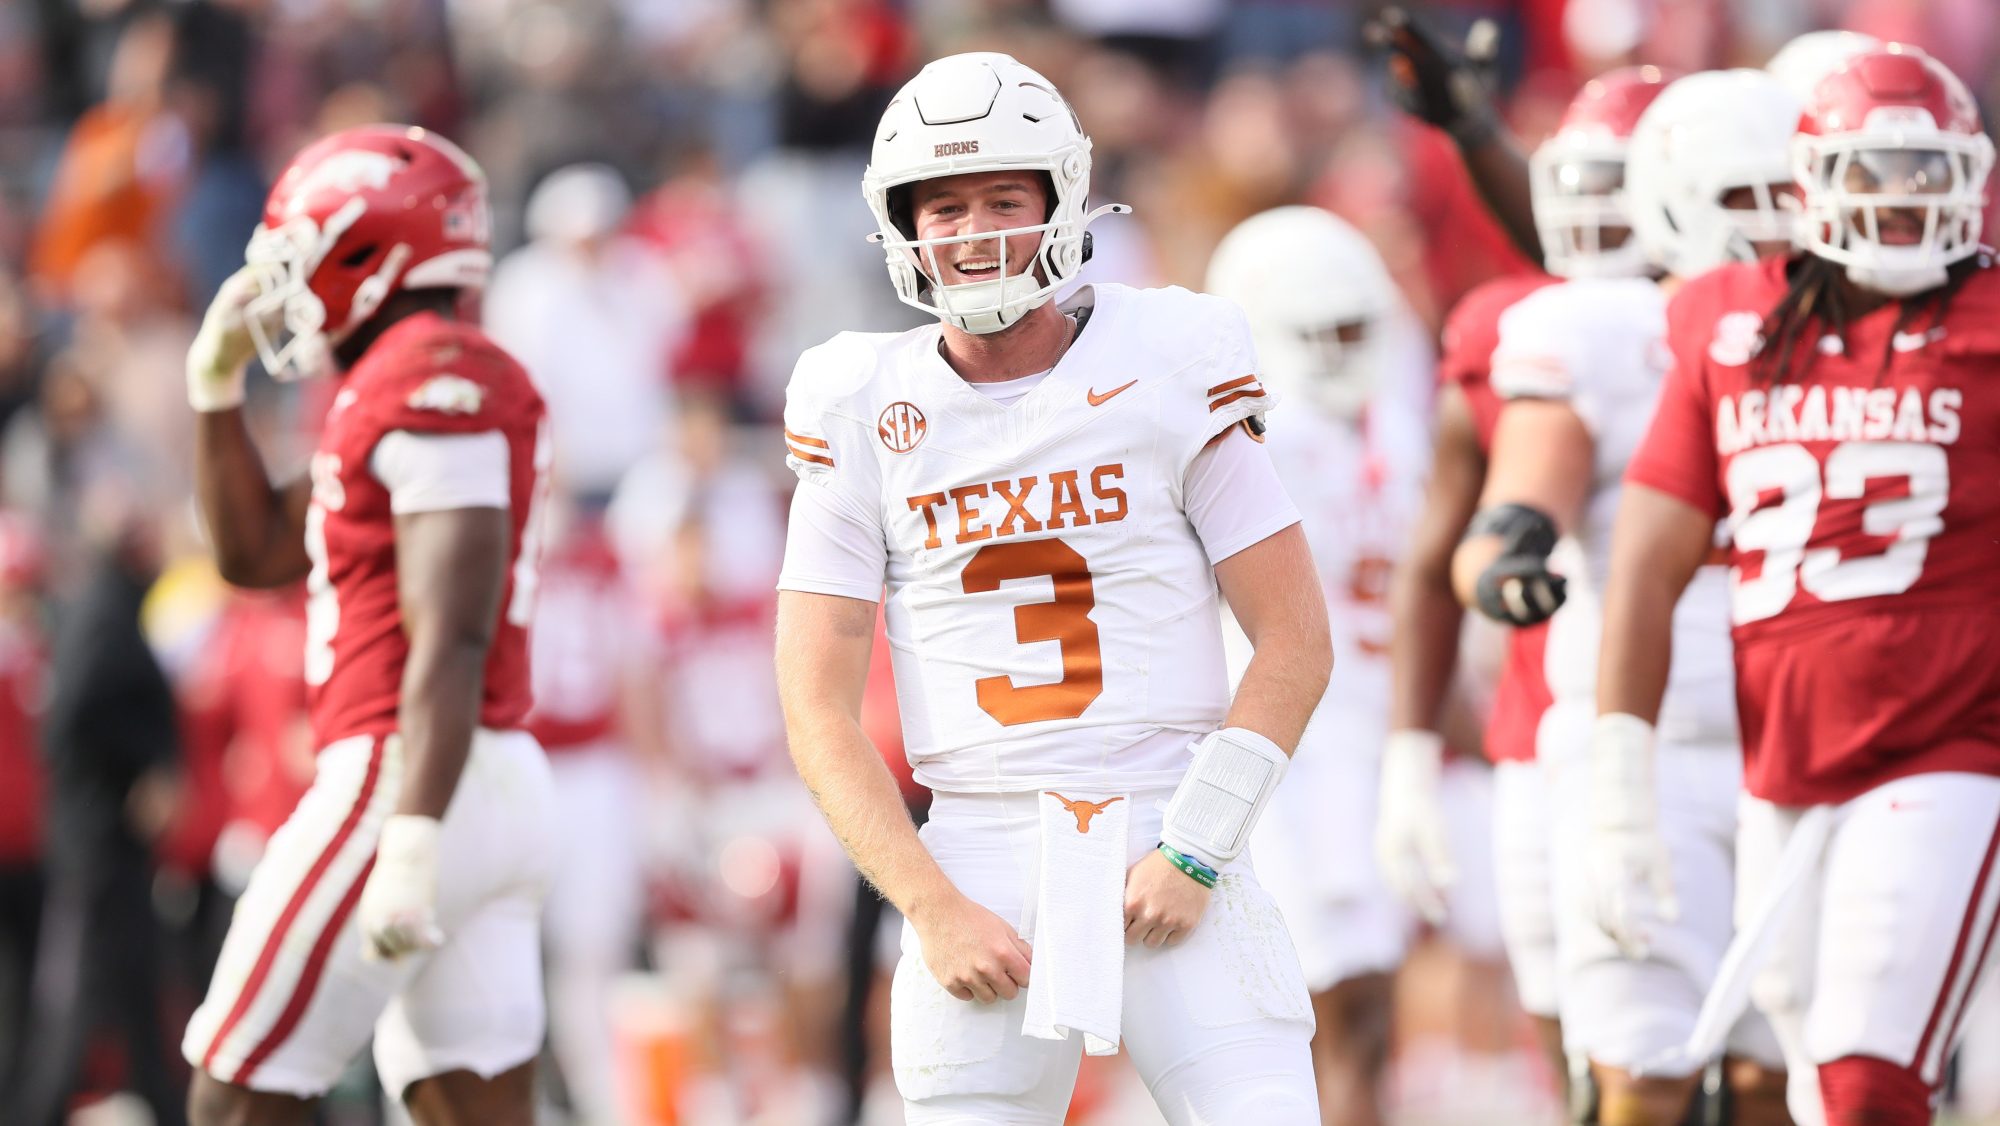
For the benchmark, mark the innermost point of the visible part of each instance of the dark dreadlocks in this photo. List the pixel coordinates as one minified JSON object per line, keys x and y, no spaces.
{"x":1815,"y":294}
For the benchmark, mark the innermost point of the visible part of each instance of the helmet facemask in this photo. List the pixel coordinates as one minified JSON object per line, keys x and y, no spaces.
{"x":1896,"y":210}
{"x":990,"y":304}
{"x":1578,"y":189}
{"x":287,"y":320}
{"x":1338,"y":363}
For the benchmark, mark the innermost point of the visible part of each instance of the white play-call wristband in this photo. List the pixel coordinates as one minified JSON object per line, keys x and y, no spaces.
{"x":1216,"y":805}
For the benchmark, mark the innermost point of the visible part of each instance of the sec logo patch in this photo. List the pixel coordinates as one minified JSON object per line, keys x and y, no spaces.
{"x":902,"y":427}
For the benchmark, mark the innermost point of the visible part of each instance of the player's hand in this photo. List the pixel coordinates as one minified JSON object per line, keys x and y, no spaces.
{"x":1631,"y":878}
{"x":1520,"y":590}
{"x":216,"y":359}
{"x":1448,"y":86}
{"x":972,"y":952}
{"x":1412,"y":846}
{"x":1162,"y":903}
{"x":398,"y":908}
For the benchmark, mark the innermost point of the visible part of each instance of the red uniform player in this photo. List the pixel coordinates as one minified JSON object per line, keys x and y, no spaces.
{"x":401,"y":897}
{"x":1576,"y":177}
{"x":1835,"y":413}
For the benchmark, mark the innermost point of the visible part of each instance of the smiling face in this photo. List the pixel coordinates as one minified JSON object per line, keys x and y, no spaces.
{"x":977,"y":203}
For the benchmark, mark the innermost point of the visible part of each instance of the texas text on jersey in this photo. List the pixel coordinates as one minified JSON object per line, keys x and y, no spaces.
{"x":1052,"y":611}
{"x":430,"y":376}
{"x":1863,"y":529}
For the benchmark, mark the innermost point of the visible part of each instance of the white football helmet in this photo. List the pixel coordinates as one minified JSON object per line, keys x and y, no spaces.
{"x":1704,"y":136}
{"x":1318,"y":298}
{"x":980,"y":112}
{"x":1806,"y":59}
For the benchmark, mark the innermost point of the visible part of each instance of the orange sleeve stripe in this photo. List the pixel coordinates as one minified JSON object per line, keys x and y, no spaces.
{"x":802,"y":440}
{"x":1233,"y":396}
{"x":1232,"y":384}
{"x":804,"y":456}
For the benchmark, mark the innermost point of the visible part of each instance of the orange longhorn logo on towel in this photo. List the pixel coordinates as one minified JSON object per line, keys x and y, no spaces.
{"x":1084,"y":810}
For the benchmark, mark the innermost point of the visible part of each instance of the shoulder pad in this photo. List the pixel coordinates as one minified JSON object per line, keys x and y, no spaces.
{"x":823,"y":386}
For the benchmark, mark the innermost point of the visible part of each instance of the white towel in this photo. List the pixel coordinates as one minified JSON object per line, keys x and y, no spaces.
{"x":1077,"y":980}
{"x":1750,"y":949}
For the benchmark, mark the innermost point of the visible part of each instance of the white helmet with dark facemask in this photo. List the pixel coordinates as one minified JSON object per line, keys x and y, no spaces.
{"x":980,"y":112}
{"x":1704,"y":137}
{"x":1318,"y":298}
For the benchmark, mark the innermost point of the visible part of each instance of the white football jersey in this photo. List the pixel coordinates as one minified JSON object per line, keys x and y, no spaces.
{"x":1600,"y":346}
{"x":1358,"y":488}
{"x":1051,"y":611}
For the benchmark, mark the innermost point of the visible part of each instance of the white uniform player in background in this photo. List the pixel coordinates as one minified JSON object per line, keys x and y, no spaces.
{"x":1053,"y":496}
{"x":1339,"y":344}
{"x":1580,"y":365}
{"x":588,"y":655}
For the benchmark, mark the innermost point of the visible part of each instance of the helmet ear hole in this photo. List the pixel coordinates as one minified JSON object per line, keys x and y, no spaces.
{"x":900,"y":212}
{"x":359,"y":255}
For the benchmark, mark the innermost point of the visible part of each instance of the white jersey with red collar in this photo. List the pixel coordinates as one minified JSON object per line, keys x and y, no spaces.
{"x":1599,"y":345}
{"x":1051,"y":609}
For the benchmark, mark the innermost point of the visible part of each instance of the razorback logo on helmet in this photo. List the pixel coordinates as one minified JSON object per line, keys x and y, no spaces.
{"x":448,"y":394}
{"x":349,"y":171}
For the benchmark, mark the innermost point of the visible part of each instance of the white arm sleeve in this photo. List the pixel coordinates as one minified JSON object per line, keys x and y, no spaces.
{"x":438,"y":472}
{"x":1233,"y":497}
{"x":833,"y":546}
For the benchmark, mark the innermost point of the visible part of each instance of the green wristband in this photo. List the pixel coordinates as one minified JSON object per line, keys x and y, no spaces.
{"x":1197,"y":871}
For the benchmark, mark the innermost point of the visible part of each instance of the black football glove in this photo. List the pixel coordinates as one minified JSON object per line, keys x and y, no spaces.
{"x":1448,"y":86}
{"x":1520,"y":590}
{"x":1517,"y":588}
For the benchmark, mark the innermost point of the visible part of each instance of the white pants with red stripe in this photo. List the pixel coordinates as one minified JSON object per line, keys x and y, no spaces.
{"x":1881,"y":953}
{"x":293,"y":1001}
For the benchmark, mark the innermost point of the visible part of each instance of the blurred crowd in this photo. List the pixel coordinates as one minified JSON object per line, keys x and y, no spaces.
{"x":676,"y":197}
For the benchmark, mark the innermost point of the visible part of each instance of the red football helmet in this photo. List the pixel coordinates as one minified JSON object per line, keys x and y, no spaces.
{"x":358,"y":216}
{"x":1577,"y":176}
{"x":1893,"y":163}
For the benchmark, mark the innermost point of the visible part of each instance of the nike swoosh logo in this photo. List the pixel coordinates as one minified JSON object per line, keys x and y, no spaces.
{"x":1911,"y":341}
{"x":1097,"y":400}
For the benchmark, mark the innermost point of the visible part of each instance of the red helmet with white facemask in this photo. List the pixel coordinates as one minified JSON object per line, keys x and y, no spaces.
{"x":354,"y":218}
{"x":1577,"y":177}
{"x":1893,"y":163}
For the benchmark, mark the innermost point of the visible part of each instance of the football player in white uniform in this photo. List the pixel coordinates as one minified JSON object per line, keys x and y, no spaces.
{"x":1580,"y":365}
{"x":1052,"y":496}
{"x":1337,"y":341}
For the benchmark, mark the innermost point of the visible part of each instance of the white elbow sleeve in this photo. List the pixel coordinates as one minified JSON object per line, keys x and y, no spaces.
{"x":1211,"y":814}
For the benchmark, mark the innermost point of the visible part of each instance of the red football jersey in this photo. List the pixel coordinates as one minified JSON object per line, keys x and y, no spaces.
{"x":1864,"y":516}
{"x":1470,"y":335}
{"x":589,"y":634}
{"x":424,"y":375}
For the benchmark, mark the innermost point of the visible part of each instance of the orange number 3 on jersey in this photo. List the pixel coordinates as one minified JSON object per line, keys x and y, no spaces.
{"x":1065,"y":621}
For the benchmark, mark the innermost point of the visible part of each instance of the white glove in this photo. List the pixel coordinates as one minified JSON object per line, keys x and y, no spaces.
{"x":216,"y":359}
{"x":1411,"y":844}
{"x":1631,"y":879}
{"x":398,"y":909}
